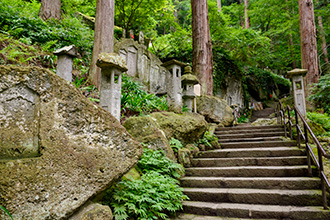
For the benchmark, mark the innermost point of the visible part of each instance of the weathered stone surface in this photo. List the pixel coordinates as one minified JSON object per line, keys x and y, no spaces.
{"x":93,"y":211}
{"x":187,"y":128}
{"x":132,"y":174}
{"x":81,"y":148}
{"x":264,"y":122}
{"x":185,"y":157}
{"x":215,"y":110}
{"x":106,"y":60}
{"x":193,"y":149}
{"x":146,"y":130}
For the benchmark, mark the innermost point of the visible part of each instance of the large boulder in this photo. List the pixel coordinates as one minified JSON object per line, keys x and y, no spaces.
{"x":57,"y":149}
{"x":215,"y":110}
{"x":147,"y":131}
{"x":187,"y":128}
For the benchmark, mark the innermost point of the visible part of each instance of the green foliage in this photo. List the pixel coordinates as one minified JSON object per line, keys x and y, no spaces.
{"x":207,"y":139}
{"x":243,"y":119}
{"x":151,"y":197}
{"x":155,"y":195}
{"x":20,"y":19}
{"x":135,"y":99}
{"x":6,"y":211}
{"x":322,"y":119}
{"x":175,"y":144}
{"x":155,"y":160}
{"x":321,"y":93}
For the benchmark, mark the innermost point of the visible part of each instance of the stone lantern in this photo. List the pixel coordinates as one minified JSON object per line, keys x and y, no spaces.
{"x":112,"y":66}
{"x":296,"y":77}
{"x":65,"y":61}
{"x":188,"y":82}
{"x":173,"y":84}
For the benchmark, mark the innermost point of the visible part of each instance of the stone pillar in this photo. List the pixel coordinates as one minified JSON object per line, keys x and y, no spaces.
{"x":173,"y":84}
{"x":296,"y":77}
{"x":65,"y":61}
{"x":188,"y":83}
{"x":112,"y":66}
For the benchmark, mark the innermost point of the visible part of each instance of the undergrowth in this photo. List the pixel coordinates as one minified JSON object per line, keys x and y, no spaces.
{"x":155,"y":196}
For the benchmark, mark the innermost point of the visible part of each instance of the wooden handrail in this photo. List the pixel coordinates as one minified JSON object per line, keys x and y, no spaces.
{"x":318,"y":161}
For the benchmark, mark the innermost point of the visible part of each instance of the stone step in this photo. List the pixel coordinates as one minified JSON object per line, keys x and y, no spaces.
{"x":276,"y":138}
{"x":248,"y":171}
{"x":249,"y":128}
{"x":251,"y":135}
{"x":295,"y":183}
{"x":254,"y":144}
{"x":239,"y":210}
{"x":253,"y":152}
{"x":183,"y":216}
{"x":256,"y":196}
{"x":249,"y":161}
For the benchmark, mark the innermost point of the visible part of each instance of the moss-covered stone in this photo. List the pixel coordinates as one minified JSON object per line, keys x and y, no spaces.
{"x":264,"y":122}
{"x":82,"y":148}
{"x":132,"y":174}
{"x":187,"y":128}
{"x":215,"y":110}
{"x":185,"y":157}
{"x":193,"y":149}
{"x":146,"y":130}
{"x":93,"y":211}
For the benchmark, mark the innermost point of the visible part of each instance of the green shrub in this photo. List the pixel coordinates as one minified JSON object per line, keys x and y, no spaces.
{"x":175,"y":145}
{"x":321,"y":93}
{"x":322,"y":119}
{"x":135,"y":99}
{"x":151,"y":197}
{"x":207,"y":139}
{"x":155,"y":195}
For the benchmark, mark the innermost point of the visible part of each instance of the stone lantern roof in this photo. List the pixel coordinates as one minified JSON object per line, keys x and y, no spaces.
{"x":188,"y":77}
{"x":107,"y":60}
{"x":67,"y":50}
{"x":296,"y":72}
{"x":174,"y":62}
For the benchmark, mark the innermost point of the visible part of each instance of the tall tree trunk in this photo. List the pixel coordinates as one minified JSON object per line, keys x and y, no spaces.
{"x":202,"y":46}
{"x":246,"y":16}
{"x":219,"y":5}
{"x":50,"y":9}
{"x":309,"y":59}
{"x":324,"y":44}
{"x":103,"y":36}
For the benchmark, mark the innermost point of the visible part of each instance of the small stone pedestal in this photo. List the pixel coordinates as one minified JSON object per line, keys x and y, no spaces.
{"x":188,"y":82}
{"x":173,"y":83}
{"x":296,"y":77}
{"x":112,"y":66}
{"x":65,"y":61}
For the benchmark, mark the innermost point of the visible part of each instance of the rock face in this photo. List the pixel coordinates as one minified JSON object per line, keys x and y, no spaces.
{"x":187,"y":128}
{"x":147,"y":131}
{"x":57,"y":148}
{"x":215,"y":110}
{"x":93,"y":211}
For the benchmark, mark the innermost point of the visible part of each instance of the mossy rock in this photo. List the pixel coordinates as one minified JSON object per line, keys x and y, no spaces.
{"x":146,"y":130}
{"x":187,"y":128}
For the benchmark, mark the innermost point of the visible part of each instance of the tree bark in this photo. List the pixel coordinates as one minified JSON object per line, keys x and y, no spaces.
{"x":219,"y":5}
{"x":50,"y":9}
{"x":309,"y":58}
{"x":246,"y":16}
{"x":103,"y":36}
{"x":202,"y":46}
{"x":324,"y":44}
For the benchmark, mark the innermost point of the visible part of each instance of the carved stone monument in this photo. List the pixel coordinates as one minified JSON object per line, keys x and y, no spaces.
{"x":296,"y":77}
{"x":188,"y":82}
{"x":65,"y":61}
{"x":112,"y":65}
{"x":173,"y":81}
{"x":58,"y":150}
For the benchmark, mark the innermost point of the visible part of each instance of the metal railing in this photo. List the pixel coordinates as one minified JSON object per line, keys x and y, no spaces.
{"x":302,"y":136}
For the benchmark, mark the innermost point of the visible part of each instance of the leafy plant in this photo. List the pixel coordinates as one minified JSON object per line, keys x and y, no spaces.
{"x":207,"y":139}
{"x":175,"y":144}
{"x":321,"y":93}
{"x":322,"y":119}
{"x":6,"y":211}
{"x":151,"y":197}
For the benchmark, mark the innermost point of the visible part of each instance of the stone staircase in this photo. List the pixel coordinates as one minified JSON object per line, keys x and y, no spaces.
{"x":256,"y":174}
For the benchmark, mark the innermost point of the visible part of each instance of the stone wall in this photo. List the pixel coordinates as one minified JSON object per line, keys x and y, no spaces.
{"x":57,"y":148}
{"x":143,"y":65}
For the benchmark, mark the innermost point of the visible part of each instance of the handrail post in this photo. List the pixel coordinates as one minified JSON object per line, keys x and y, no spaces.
{"x":308,"y":153}
{"x":297,"y":126}
{"x":290,"y":122}
{"x":321,"y":171}
{"x":285,"y":132}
